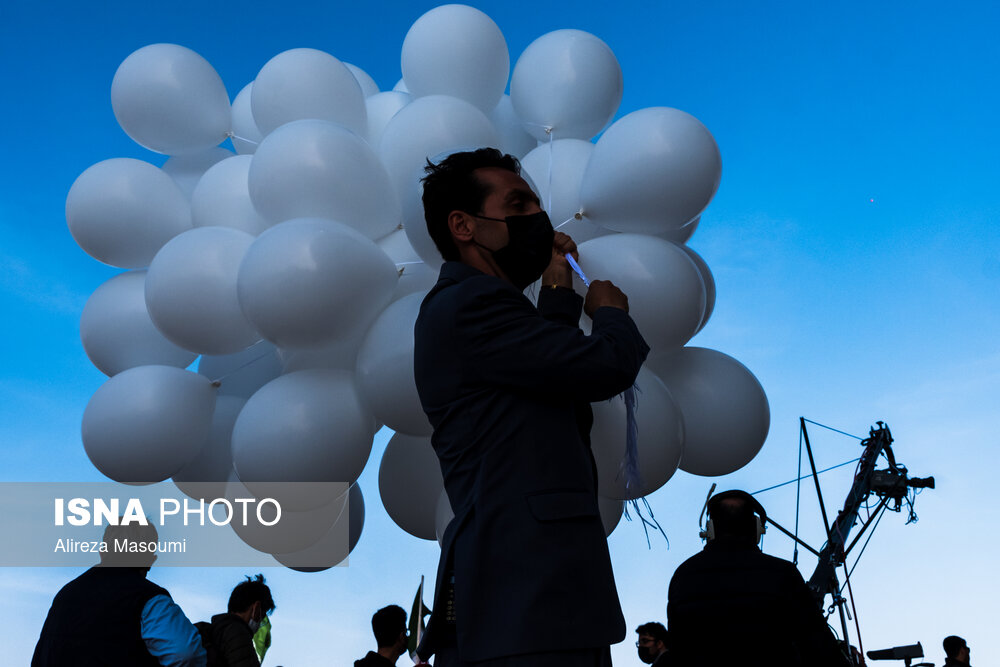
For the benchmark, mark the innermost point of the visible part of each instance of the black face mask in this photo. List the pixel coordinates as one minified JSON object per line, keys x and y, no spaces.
{"x":528,"y":250}
{"x":646,"y":654}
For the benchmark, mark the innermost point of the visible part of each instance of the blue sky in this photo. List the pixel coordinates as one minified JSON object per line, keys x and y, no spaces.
{"x":853,"y":241}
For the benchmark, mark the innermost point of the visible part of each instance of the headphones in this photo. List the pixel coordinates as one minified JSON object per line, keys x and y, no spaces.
{"x":760,"y":515}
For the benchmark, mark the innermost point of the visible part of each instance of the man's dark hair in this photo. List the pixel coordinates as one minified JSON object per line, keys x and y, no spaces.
{"x":387,"y":623}
{"x":247,"y":592}
{"x":654,"y":630}
{"x":733,"y":515}
{"x":450,"y":185}
{"x":952,"y":645}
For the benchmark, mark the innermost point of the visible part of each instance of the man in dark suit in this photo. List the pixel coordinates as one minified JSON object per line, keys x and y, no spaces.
{"x":731,"y":604}
{"x":525,"y":577}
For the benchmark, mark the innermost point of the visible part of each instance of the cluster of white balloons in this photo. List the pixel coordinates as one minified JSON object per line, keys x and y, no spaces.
{"x":295,"y":266}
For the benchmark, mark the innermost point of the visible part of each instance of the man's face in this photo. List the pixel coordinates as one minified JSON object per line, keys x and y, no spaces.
{"x":649,"y":649}
{"x":963,"y":655}
{"x":509,"y":195}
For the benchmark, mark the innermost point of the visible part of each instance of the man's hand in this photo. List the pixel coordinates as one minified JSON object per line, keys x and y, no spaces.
{"x":604,"y":293}
{"x":559,"y":271}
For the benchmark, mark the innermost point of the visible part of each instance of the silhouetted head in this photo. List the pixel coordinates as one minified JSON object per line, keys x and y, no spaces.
{"x":453,"y":185}
{"x":736,"y":515}
{"x":130,"y":545}
{"x":652,"y":641}
{"x":389,"y":626}
{"x":251,"y":600}
{"x":956,"y":648}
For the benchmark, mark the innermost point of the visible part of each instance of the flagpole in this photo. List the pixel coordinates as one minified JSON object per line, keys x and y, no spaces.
{"x":420,"y":617}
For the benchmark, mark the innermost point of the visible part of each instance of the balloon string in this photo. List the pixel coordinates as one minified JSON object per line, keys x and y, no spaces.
{"x":548,"y":206}
{"x":630,"y":462}
{"x":217,"y":381}
{"x":233,"y":135}
{"x":651,"y":522}
{"x":566,"y":221}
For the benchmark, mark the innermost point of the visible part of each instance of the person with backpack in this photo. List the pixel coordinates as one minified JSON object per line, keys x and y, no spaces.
{"x":229,"y":638}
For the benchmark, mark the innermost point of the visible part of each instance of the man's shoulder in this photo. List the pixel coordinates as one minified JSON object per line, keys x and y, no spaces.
{"x":373,"y":659}
{"x":468,"y":293}
{"x":228,"y":620}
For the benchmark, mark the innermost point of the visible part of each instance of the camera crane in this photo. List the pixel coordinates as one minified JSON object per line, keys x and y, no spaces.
{"x":890,"y":485}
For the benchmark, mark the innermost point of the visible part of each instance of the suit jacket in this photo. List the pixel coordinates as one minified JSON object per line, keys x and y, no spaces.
{"x":507,"y":388}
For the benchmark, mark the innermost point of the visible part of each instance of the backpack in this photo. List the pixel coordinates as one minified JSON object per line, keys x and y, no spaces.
{"x":214,"y":656}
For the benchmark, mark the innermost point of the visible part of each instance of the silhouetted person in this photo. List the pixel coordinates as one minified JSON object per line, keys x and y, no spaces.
{"x":956,"y":652}
{"x":389,"y":626}
{"x":652,"y":644}
{"x":231,"y":634}
{"x":525,"y":573}
{"x":112,"y":616}
{"x":733,"y":605}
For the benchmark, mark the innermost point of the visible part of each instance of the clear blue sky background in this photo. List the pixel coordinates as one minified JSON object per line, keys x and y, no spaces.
{"x":853,"y":241}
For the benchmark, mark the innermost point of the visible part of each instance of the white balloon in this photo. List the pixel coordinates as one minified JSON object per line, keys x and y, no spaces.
{"x":425,"y":128}
{"x":368,"y":85}
{"x":557,"y":168}
{"x":443,"y":515}
{"x":681,"y":235}
{"x":653,"y":170}
{"x":566,"y":81}
{"x":414,"y":273}
{"x":514,"y":140}
{"x":381,"y":108}
{"x":146,"y":423}
{"x":708,"y":279}
{"x":385,"y":369}
{"x":246,"y":135}
{"x":314,"y":168}
{"x":338,"y":354}
{"x":116,"y":330}
{"x":307,"y":83}
{"x":206,"y":475}
{"x":664,"y":287}
{"x":726,"y":414}
{"x":291,"y":531}
{"x":331,"y":549}
{"x":307,"y":281}
{"x":222,"y":198}
{"x":243,"y":373}
{"x":660,"y":439}
{"x":121,"y":211}
{"x":191,"y":291}
{"x":187,"y":169}
{"x":459,"y":51}
{"x":611,"y":513}
{"x":307,"y":426}
{"x":410,"y":482}
{"x":169,"y":99}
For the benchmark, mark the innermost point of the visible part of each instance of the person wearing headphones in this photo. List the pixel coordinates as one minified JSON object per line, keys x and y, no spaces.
{"x":731,"y":604}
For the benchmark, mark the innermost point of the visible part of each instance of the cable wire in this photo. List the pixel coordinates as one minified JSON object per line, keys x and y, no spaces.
{"x":835,"y":430}
{"x":801,"y":477}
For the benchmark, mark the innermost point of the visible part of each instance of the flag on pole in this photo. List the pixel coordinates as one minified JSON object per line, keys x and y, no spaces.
{"x":417,"y":614}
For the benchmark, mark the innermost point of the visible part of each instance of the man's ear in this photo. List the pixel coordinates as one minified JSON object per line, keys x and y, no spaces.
{"x":460,"y":225}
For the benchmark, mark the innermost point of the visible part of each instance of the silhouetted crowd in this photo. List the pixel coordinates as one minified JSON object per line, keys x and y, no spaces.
{"x":730,"y":604}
